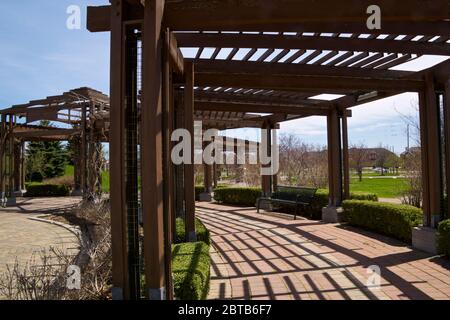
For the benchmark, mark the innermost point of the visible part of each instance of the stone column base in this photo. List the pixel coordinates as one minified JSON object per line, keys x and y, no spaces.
{"x":157,"y":294}
{"x":332,"y":215}
{"x":205,"y":197}
{"x":76,"y":193}
{"x":425,"y":239}
{"x":11,"y":202}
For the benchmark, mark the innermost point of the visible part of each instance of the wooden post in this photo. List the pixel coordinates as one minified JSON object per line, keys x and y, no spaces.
{"x":11,"y":164}
{"x":447,"y":141}
{"x":117,"y":165}
{"x":334,"y":159}
{"x":214,"y":169}
{"x":83,"y":153}
{"x":179,"y":169}
{"x":431,"y":154}
{"x":151,"y":150}
{"x":2,"y":158}
{"x":23,"y":172}
{"x":345,"y":157}
{"x":207,"y":178}
{"x":267,"y":179}
{"x":189,"y":182}
{"x":17,"y":167}
{"x":168,"y":167}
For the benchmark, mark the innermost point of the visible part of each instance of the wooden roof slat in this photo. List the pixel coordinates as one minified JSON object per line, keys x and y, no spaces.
{"x":313,"y":42}
{"x":367,"y":60}
{"x":355,"y":58}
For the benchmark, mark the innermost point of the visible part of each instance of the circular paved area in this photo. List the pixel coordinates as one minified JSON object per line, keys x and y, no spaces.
{"x":20,"y":237}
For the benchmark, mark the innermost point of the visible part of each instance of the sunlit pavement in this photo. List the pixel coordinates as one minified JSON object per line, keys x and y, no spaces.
{"x":259,"y":256}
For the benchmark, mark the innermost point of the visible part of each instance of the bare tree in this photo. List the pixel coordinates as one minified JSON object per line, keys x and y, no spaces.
{"x":358,"y":155}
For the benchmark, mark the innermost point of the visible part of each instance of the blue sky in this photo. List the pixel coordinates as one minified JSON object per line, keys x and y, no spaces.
{"x":39,"y":57}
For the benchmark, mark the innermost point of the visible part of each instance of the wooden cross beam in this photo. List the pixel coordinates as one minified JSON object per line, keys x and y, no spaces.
{"x":220,"y":66}
{"x":261,"y":108}
{"x":335,"y":85}
{"x":410,"y":17}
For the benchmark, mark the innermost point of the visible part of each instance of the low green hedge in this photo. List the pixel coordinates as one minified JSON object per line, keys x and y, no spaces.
{"x":191,"y":270}
{"x":237,"y":196}
{"x":46,"y":190}
{"x":389,"y":219}
{"x":248,"y":196}
{"x":444,"y":237}
{"x":202,"y":232}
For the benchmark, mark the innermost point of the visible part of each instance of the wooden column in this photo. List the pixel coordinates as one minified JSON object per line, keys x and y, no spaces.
{"x":334,"y":159}
{"x":431,"y":154}
{"x":11,"y":162}
{"x":17,"y":167}
{"x":2,"y":158}
{"x":168,"y":112}
{"x":179,"y":169}
{"x":83,"y":153}
{"x":267,"y":179}
{"x":189,"y":178}
{"x":345,"y":157}
{"x":152,"y":192}
{"x":447,"y":142}
{"x":207,"y":178}
{"x":120,"y":274}
{"x":215,"y":178}
{"x":23,"y":172}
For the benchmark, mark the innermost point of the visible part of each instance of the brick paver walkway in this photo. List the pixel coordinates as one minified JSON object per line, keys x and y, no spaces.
{"x":20,"y":237}
{"x":265,"y":257}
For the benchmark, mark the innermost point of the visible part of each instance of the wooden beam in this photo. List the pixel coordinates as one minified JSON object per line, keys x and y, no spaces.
{"x":306,"y":83}
{"x":229,"y":40}
{"x":241,"y":67}
{"x":259,"y":108}
{"x":47,"y":133}
{"x":294,"y":16}
{"x":277,"y":97}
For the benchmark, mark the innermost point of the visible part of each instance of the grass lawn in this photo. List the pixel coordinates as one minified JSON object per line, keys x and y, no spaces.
{"x":105,"y":177}
{"x":384,"y":188}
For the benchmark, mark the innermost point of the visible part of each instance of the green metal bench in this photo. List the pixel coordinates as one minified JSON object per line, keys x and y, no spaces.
{"x":300,"y":197}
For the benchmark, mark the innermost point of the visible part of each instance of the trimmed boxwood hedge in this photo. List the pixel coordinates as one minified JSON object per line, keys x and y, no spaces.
{"x":248,"y":197}
{"x":191,"y":270}
{"x":245,"y":197}
{"x":389,"y":219}
{"x":444,"y":238}
{"x":46,"y":190}
{"x":202,"y":232}
{"x":198,"y":191}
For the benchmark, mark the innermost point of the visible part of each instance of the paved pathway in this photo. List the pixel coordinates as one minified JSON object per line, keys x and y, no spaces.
{"x":266,"y":257}
{"x":20,"y":237}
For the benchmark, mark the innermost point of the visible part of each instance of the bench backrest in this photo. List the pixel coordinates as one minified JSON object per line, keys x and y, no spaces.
{"x":301,"y":194}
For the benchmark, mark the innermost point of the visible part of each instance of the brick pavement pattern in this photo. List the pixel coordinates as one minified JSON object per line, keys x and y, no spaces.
{"x":260,"y":256}
{"x":20,"y":237}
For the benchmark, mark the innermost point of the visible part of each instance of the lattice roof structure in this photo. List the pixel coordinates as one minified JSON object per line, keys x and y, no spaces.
{"x":270,"y":58}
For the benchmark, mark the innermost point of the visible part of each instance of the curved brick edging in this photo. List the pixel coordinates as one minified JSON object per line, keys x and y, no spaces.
{"x":75,"y":230}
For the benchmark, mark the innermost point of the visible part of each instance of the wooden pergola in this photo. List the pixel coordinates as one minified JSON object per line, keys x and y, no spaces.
{"x":83,"y":111}
{"x":272,"y":57}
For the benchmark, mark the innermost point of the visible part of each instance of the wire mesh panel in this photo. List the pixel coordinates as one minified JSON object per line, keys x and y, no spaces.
{"x":131,"y":161}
